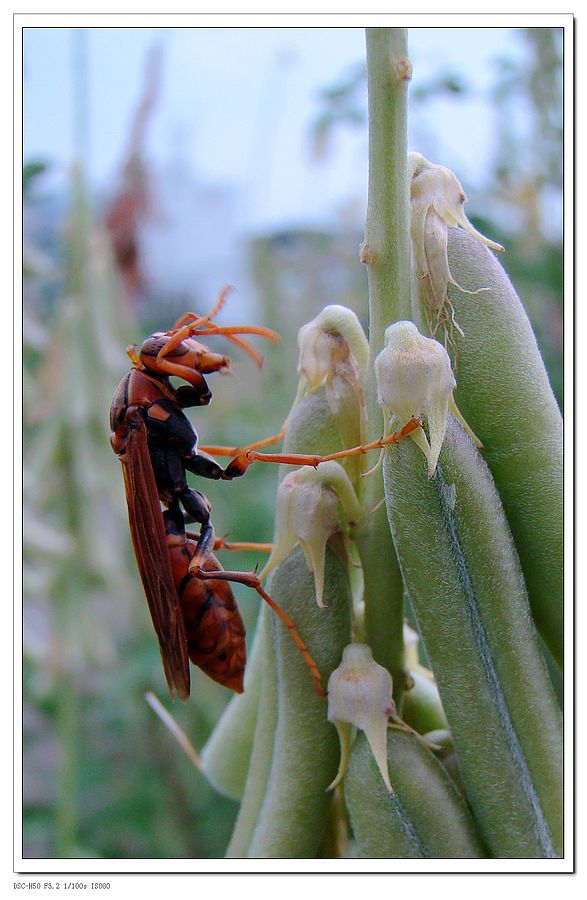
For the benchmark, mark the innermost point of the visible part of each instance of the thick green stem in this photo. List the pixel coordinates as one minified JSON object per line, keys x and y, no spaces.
{"x":386,"y":252}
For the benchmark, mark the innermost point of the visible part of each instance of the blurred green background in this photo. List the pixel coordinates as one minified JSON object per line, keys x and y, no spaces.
{"x":102,"y":776}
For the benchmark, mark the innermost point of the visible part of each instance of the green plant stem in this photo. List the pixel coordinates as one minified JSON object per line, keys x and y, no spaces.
{"x":294,"y":815}
{"x":386,"y":252}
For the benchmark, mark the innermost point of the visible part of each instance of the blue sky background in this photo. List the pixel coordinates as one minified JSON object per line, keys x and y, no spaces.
{"x":237,"y":105}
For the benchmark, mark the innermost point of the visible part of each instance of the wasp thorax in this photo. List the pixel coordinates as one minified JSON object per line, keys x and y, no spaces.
{"x":332,"y":341}
{"x":360,"y":695}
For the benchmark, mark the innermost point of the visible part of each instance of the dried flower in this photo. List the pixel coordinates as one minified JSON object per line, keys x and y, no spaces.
{"x":437,"y":200}
{"x":360,"y":696}
{"x":334,"y":353}
{"x":415,"y":378}
{"x":332,"y":345}
{"x":307,"y":512}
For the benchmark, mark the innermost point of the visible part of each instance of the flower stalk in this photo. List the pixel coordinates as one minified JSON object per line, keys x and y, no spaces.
{"x":386,"y":253}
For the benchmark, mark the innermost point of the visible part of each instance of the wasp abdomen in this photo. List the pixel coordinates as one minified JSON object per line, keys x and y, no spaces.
{"x":215,"y":631}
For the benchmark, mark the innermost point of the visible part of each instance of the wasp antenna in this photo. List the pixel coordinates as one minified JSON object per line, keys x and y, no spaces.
{"x":221,"y":300}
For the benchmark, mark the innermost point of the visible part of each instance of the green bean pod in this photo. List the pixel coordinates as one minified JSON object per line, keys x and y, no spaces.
{"x":447,"y":755}
{"x":259,"y":765}
{"x":227,"y":752}
{"x":464,"y":579}
{"x":295,"y":811}
{"x":421,"y":705}
{"x":504,"y":393}
{"x":312,"y":428}
{"x":425,"y":817}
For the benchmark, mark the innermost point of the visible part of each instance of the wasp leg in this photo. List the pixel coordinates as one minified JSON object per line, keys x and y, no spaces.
{"x":222,"y":544}
{"x":200,"y":464}
{"x":198,"y":507}
{"x":165,"y":367}
{"x":241,"y":463}
{"x":169,"y":470}
{"x":191,"y":325}
{"x":231,"y":330}
{"x":219,"y":450}
{"x":175,"y":523}
{"x":252,"y":580}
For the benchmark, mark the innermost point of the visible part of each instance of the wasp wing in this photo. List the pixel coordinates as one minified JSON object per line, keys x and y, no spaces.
{"x":149,"y":541}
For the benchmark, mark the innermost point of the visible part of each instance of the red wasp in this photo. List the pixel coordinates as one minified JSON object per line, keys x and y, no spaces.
{"x":191,"y":603}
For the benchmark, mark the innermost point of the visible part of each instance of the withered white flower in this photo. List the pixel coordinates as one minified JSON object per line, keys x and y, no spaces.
{"x":360,"y":695}
{"x":307,"y":512}
{"x":437,"y":200}
{"x":415,"y":378}
{"x":332,"y":344}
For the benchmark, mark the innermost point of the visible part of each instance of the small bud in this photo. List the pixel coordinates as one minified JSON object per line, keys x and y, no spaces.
{"x":415,"y":378}
{"x":437,"y":200}
{"x":360,"y":695}
{"x":307,"y":507}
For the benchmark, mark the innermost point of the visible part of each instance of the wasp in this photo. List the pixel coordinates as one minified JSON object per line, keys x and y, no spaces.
{"x":189,"y":596}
